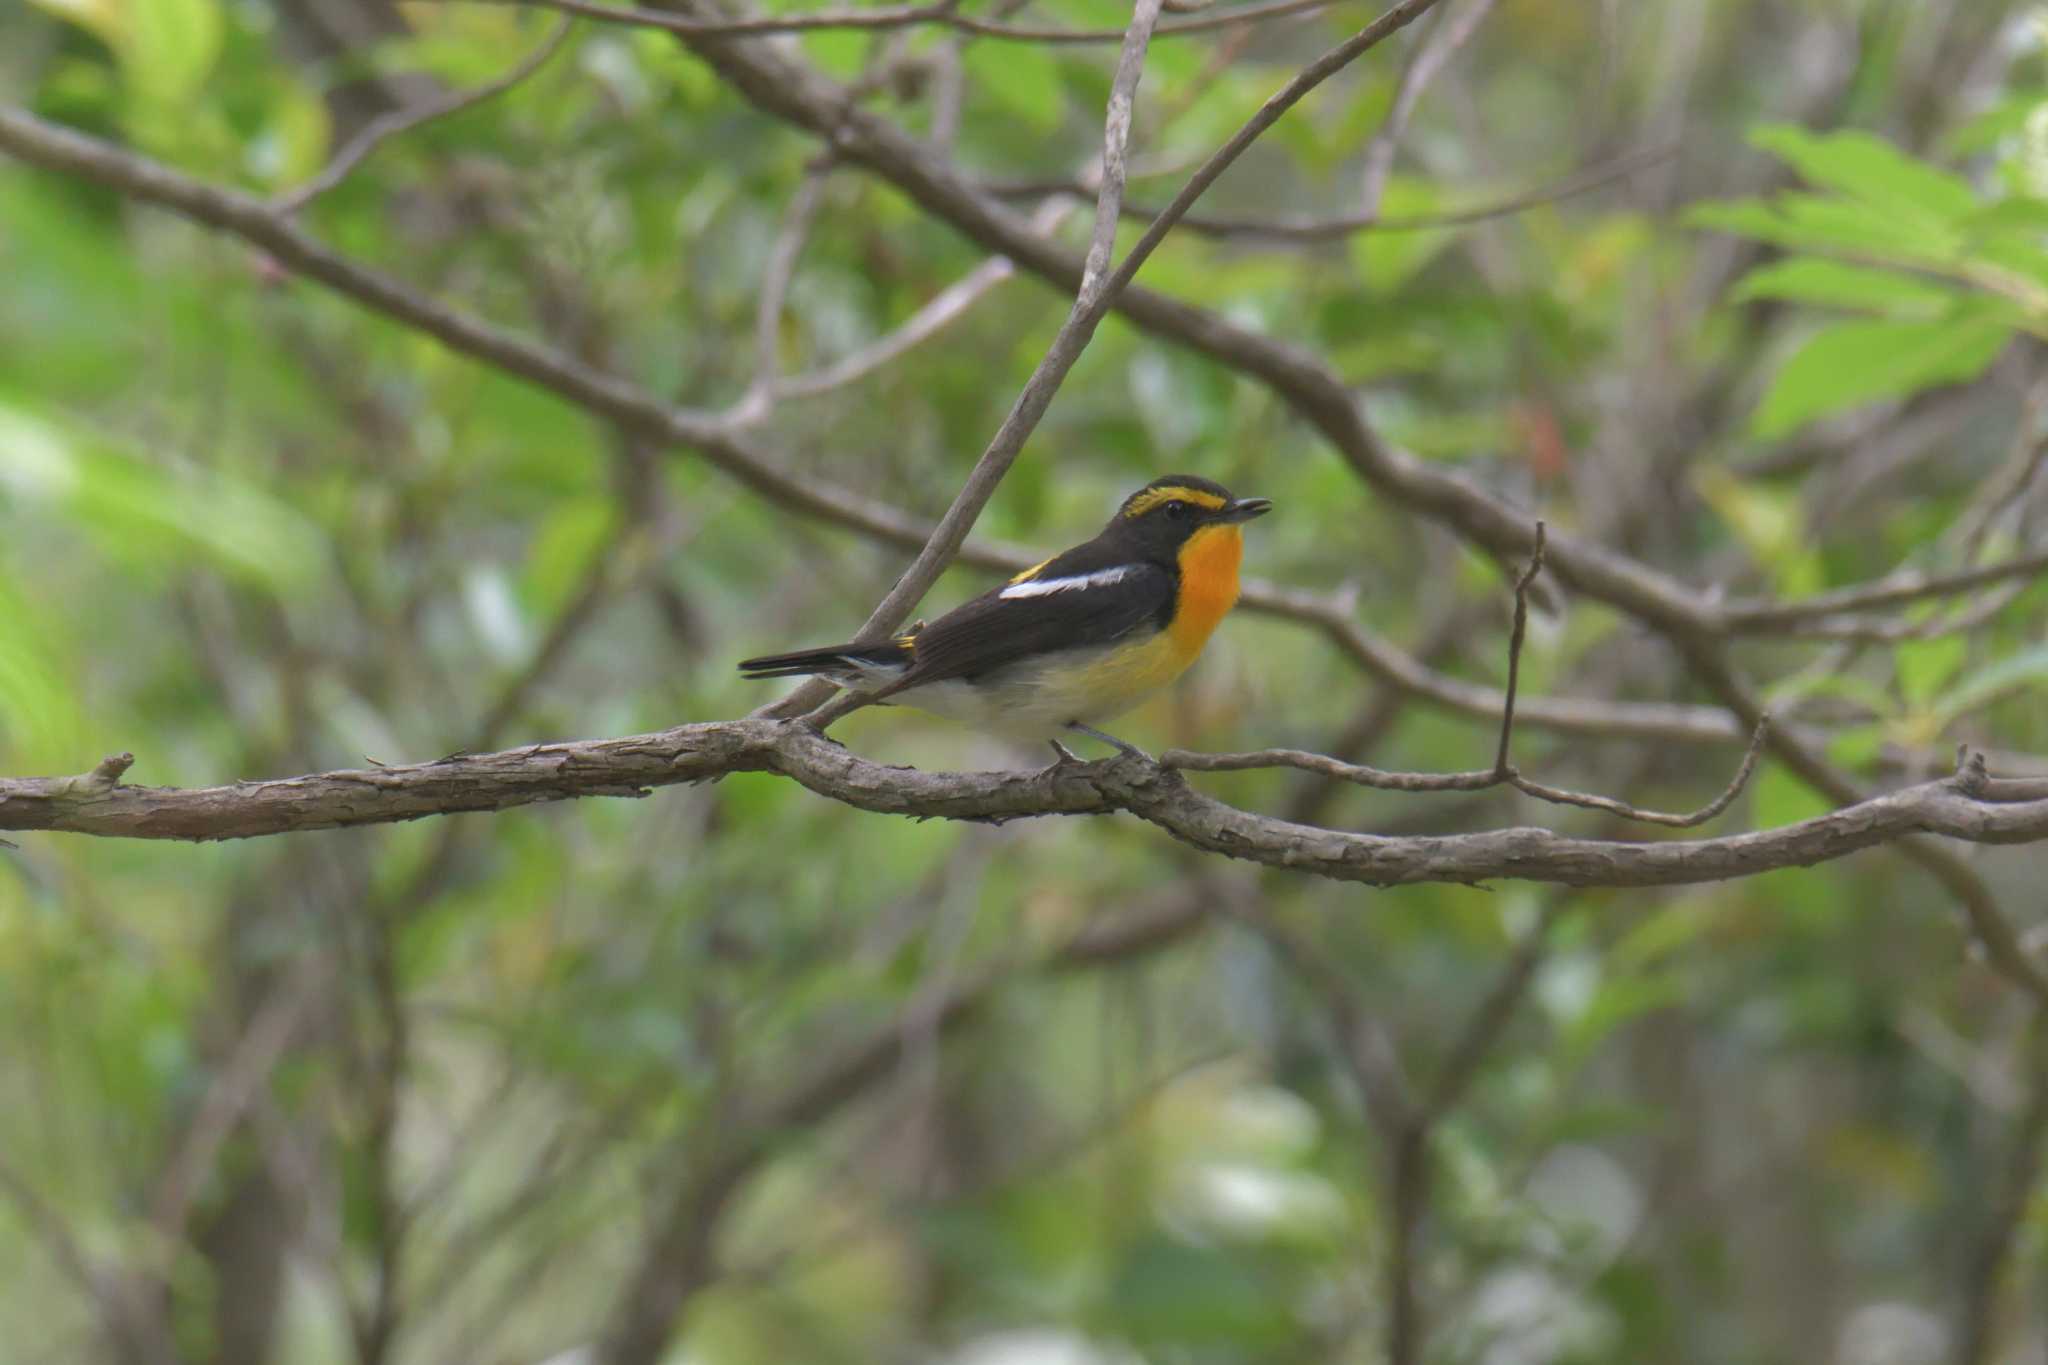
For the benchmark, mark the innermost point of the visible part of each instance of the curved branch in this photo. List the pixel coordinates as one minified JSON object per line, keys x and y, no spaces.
{"x":635,"y":764}
{"x":881,"y":17}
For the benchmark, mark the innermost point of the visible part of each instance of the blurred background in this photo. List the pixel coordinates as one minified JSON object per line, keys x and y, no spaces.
{"x":735,"y":1074}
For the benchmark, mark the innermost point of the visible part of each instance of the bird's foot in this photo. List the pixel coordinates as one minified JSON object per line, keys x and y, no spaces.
{"x":810,"y":723}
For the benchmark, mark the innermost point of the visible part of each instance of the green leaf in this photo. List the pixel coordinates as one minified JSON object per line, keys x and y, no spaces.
{"x":1816,"y":279}
{"x":2029,"y":666}
{"x":2002,"y":120}
{"x":1023,"y":77}
{"x":296,"y":133}
{"x":1810,"y":222}
{"x":2017,"y":269}
{"x":1168,"y":1293}
{"x":1660,"y":935}
{"x":1869,"y":168}
{"x":151,"y":519}
{"x":840,"y":52}
{"x":1858,"y":362}
{"x":1386,"y":259}
{"x":42,"y":725}
{"x":170,"y":46}
{"x":1857,"y":747}
{"x":564,"y":548}
{"x":1925,"y":666}
{"x":1783,"y":799}
{"x":102,"y":17}
{"x":2019,"y":213}
{"x":1770,"y":522}
{"x":1618,"y":1000}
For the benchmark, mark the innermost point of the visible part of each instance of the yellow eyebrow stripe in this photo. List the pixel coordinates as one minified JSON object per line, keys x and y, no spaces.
{"x":1152,"y":497}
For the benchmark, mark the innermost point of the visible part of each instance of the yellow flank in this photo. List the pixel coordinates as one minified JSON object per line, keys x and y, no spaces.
{"x":1152,"y":497}
{"x":1031,"y":572}
{"x":1208,"y":588}
{"x":1122,"y":677}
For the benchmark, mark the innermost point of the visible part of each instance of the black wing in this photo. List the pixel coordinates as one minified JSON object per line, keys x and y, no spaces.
{"x":990,"y":631}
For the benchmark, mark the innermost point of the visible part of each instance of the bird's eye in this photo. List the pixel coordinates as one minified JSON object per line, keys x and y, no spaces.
{"x":1176,"y":509}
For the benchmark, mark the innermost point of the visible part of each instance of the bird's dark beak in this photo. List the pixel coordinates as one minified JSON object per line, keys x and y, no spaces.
{"x":1244,"y":509}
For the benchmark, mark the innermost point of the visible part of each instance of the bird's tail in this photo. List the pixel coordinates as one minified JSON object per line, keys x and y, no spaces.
{"x":863,"y":666}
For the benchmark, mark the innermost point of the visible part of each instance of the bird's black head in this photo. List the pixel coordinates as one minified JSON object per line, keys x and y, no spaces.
{"x":1160,"y":517}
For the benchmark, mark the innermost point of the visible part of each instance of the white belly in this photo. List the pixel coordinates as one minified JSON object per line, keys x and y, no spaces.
{"x":1040,"y":699}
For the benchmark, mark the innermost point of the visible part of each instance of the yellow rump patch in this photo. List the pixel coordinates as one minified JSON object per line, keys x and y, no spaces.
{"x":1143,"y":502}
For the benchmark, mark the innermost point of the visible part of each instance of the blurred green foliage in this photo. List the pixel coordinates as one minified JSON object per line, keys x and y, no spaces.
{"x":248,"y":529}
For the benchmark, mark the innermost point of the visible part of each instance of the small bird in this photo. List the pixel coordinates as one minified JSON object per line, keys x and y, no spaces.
{"x":1081,"y":637}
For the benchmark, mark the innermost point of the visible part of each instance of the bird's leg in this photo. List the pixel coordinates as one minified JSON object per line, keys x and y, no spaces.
{"x":1128,"y":750}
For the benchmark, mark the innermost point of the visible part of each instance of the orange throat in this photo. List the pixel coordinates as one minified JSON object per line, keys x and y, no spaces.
{"x":1208,"y":587}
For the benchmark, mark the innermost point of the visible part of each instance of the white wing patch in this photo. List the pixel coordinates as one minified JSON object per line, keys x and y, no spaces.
{"x":1043,"y":587}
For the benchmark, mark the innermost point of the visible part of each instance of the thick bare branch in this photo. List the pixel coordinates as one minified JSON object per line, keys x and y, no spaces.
{"x":633,"y":765}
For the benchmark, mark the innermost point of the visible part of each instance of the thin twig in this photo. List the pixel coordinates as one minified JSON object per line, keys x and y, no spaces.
{"x":1308,"y":78}
{"x":943,"y":12}
{"x":1990,"y":1258}
{"x":775,"y":281}
{"x":1503,"y":772}
{"x":1501,"y":767}
{"x":1436,"y":48}
{"x":1477,"y":1038}
{"x":1765,"y":617}
{"x":1473,"y":780}
{"x":944,"y":308}
{"x":2005,"y":492}
{"x":1333,"y":229}
{"x":387,"y":126}
{"x":247,"y":1070}
{"x":128,"y":1317}
{"x":1651,"y":817}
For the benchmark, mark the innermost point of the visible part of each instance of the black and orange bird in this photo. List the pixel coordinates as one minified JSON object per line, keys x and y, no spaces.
{"x":1084,"y":636}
